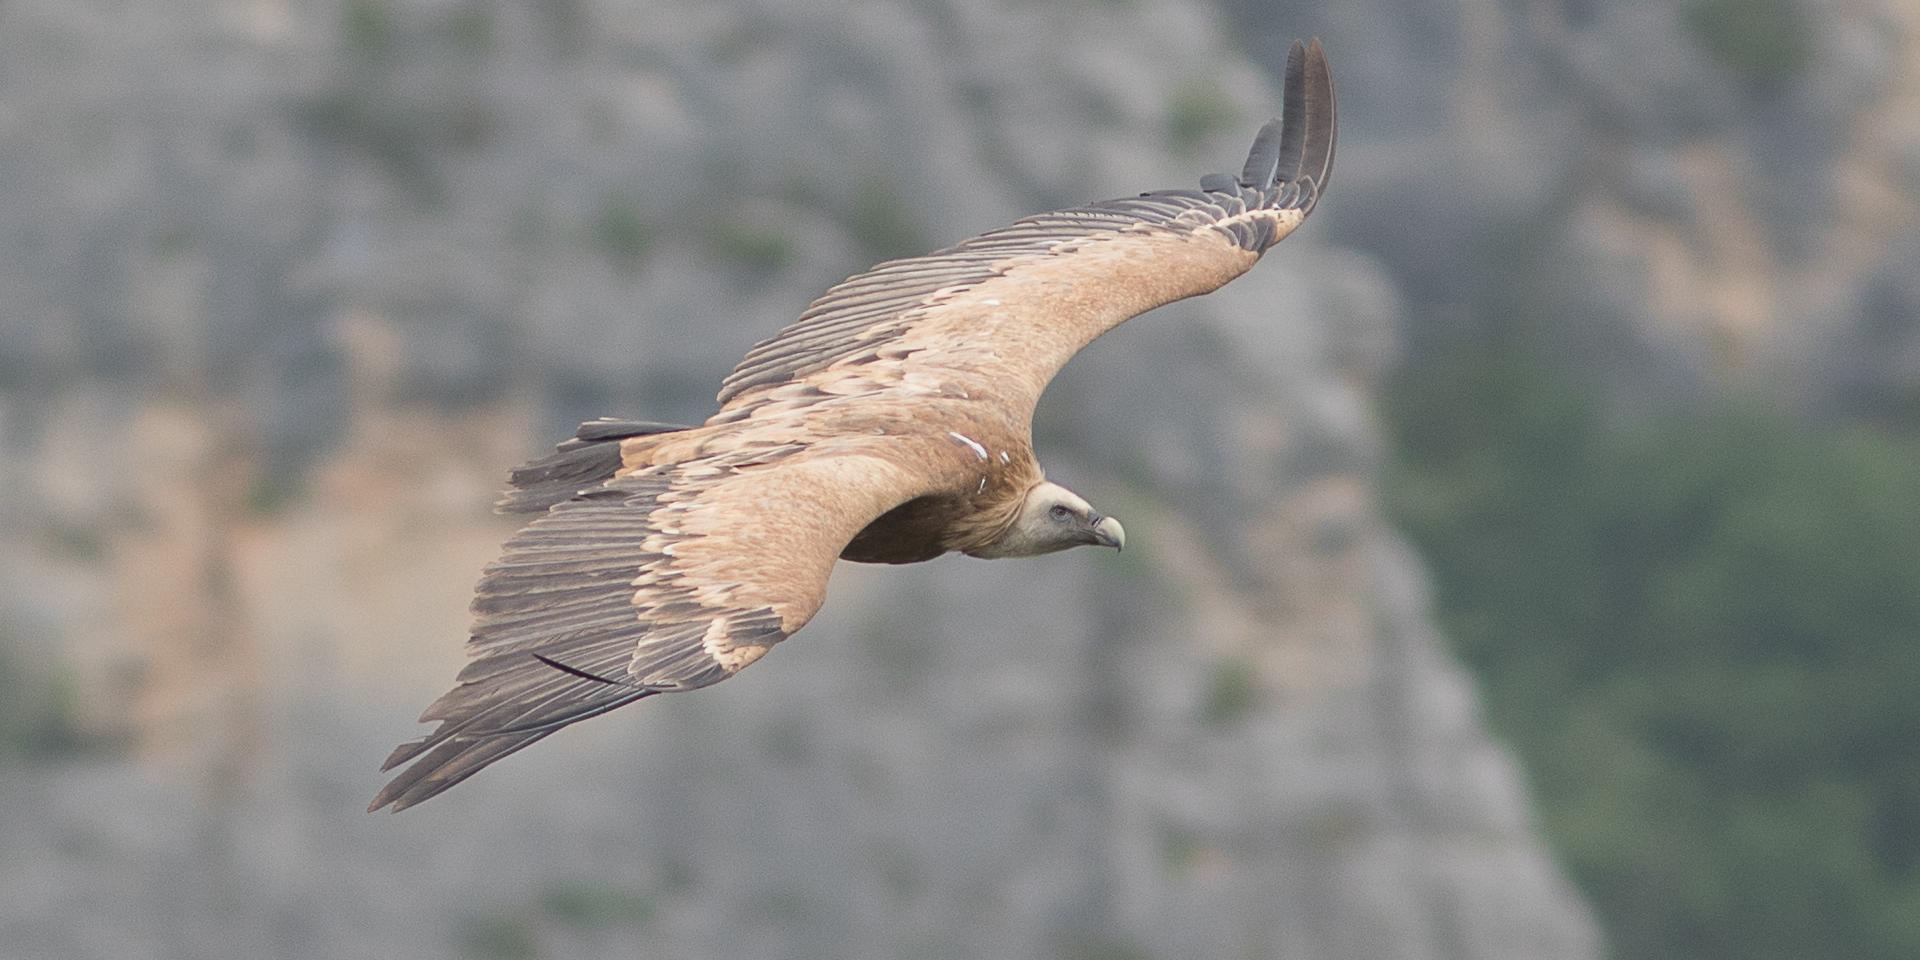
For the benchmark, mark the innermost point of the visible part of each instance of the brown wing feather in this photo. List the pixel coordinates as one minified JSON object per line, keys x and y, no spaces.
{"x":1002,"y":312}
{"x":663,"y":580}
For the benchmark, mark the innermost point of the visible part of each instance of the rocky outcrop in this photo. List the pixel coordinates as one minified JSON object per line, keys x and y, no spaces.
{"x":377,"y":233}
{"x":1677,"y":198}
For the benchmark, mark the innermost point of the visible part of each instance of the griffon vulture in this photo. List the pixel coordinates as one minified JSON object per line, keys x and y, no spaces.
{"x":889,"y":424}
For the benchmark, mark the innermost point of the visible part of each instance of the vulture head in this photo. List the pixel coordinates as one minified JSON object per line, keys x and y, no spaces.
{"x":1054,"y":518}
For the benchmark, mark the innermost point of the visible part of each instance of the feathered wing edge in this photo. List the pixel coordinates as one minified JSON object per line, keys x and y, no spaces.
{"x":440,"y":764}
{"x":1298,"y":147}
{"x":666,"y":579}
{"x":582,"y":614}
{"x":856,"y":320}
{"x":587,"y":460}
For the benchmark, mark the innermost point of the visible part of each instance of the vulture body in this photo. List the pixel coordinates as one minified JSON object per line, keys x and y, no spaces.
{"x":891,"y":423}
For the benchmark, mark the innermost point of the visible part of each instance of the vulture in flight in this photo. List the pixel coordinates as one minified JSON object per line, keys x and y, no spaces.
{"x":891,"y":423}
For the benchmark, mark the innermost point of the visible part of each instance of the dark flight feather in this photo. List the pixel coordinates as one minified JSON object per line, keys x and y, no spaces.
{"x":1263,"y":161}
{"x":1319,"y":122}
{"x":1293,"y":126}
{"x":587,"y":460}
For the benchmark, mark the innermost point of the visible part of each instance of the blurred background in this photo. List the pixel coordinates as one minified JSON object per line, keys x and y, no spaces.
{"x":1528,"y":552}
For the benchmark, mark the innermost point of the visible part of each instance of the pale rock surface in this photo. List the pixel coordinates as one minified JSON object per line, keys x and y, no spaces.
{"x":362,"y":250}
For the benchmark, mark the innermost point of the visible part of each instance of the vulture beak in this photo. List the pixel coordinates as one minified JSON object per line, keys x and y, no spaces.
{"x":1108,"y":532}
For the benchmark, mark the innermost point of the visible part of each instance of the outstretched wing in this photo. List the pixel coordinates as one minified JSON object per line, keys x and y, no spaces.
{"x":998,"y":315}
{"x":668,"y":579}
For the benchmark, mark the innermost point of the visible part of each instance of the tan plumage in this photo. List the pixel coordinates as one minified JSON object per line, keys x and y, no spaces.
{"x":890,"y":423}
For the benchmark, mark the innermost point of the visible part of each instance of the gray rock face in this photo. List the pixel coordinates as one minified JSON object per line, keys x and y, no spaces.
{"x":364,"y":234}
{"x":1676,"y":199}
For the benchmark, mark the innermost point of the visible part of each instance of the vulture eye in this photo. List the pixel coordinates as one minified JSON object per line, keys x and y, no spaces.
{"x":1060,"y":512}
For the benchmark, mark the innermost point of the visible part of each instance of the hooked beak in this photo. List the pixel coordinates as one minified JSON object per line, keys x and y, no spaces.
{"x":1108,"y":532}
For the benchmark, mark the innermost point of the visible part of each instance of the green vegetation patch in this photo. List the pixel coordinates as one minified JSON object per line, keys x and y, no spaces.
{"x":1699,"y":630}
{"x":73,"y":540}
{"x":471,"y":29}
{"x":39,"y":713}
{"x":882,"y":221}
{"x":367,"y":25}
{"x":1181,"y":850}
{"x":403,"y":141}
{"x":584,"y":905}
{"x":1766,"y":42}
{"x":1233,"y":690}
{"x":498,"y":938}
{"x":757,"y":248}
{"x":1196,"y":113}
{"x":276,"y":490}
{"x":622,"y":231}
{"x":1100,"y":948}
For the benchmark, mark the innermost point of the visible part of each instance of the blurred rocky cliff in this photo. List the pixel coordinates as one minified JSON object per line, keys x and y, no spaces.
{"x":286,"y":286}
{"x":1683,"y":195}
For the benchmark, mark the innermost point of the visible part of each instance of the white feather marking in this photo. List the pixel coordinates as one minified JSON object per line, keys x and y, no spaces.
{"x":991,"y":302}
{"x":724,"y":653}
{"x":1004,"y":458}
{"x":983,"y":487}
{"x":971,"y":444}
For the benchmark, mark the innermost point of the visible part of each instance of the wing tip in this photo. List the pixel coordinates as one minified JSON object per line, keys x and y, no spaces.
{"x":1302,"y":152}
{"x":457,"y":750}
{"x":1322,"y":123}
{"x":441,"y":763}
